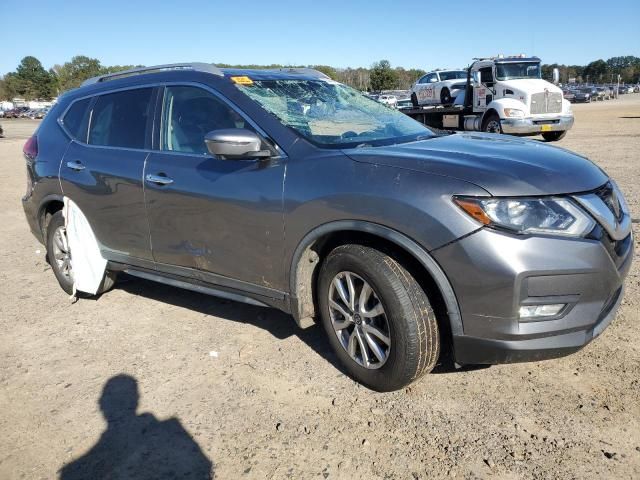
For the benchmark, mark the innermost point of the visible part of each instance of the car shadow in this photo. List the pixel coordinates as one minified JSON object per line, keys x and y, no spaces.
{"x":138,"y":446}
{"x":277,"y":323}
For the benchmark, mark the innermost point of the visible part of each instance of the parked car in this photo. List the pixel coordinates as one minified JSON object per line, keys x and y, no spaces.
{"x":630,"y":89}
{"x":12,"y":113}
{"x":583,"y":95}
{"x":440,"y":87}
{"x":569,"y":95}
{"x":404,"y":104}
{"x":389,"y":100}
{"x":399,"y":240}
{"x":603,"y":93}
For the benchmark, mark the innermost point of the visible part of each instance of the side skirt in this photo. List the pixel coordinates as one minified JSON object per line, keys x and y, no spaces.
{"x":200,"y":286}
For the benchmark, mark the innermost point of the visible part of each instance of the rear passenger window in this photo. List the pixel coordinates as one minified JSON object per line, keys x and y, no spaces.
{"x":77,"y":118}
{"x":121,"y":119}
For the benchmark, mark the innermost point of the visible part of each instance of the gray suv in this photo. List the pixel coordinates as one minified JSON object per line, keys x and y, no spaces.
{"x":283,"y":188}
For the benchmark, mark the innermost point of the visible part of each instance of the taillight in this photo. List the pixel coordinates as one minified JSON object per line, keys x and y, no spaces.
{"x":30,"y":148}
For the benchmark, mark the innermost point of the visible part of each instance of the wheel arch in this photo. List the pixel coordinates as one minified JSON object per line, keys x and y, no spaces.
{"x":488,"y":112}
{"x":314,"y":247}
{"x":48,"y":206}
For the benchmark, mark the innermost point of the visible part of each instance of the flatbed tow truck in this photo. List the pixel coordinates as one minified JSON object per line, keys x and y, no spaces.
{"x":503,"y":95}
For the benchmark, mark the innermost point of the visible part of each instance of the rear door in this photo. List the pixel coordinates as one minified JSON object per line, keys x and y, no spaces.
{"x":102,"y":169}
{"x":222,"y":218}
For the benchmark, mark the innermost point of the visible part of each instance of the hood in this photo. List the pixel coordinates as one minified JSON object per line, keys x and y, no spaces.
{"x":530,"y":85}
{"x":501,"y":165}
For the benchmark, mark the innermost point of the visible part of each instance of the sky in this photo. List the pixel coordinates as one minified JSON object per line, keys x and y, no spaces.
{"x":409,"y":33}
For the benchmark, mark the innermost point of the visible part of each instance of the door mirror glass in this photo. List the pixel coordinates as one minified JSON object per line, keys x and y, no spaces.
{"x":475,"y":78}
{"x":235,"y":144}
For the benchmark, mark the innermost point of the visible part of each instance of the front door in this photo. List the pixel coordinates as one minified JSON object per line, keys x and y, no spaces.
{"x":206,"y":214}
{"x":482,"y":92}
{"x":102,"y":172}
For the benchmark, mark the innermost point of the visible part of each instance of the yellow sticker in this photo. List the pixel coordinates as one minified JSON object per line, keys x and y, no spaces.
{"x":244,"y":80}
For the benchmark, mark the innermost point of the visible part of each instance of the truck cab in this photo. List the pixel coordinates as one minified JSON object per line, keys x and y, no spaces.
{"x":509,"y":96}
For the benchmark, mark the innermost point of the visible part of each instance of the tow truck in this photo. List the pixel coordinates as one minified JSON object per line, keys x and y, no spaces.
{"x":503,"y":94}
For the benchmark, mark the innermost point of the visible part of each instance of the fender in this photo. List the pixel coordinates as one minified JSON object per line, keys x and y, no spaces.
{"x":419,"y":253}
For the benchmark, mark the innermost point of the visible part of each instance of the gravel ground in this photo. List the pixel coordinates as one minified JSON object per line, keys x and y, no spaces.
{"x":248,"y":395}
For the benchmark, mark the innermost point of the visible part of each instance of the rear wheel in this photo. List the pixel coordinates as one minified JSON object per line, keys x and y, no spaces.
{"x":445,"y":96}
{"x":377,"y":317}
{"x":61,"y":260}
{"x":491,"y":124}
{"x":414,"y":100}
{"x":553,"y":136}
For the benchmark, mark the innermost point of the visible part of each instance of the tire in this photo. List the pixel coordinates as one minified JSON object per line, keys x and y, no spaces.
{"x":54,"y":251}
{"x":445,"y":96}
{"x":491,"y":124}
{"x":553,"y":136}
{"x":414,"y":100}
{"x":407,"y":318}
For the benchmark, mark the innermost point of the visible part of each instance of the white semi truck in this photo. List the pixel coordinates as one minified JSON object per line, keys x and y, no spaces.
{"x":503,"y":95}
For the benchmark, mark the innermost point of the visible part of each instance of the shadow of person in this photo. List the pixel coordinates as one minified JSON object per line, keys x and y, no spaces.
{"x":137,"y":447}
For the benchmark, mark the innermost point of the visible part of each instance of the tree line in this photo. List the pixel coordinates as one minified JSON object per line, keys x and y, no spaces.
{"x":32,"y":81}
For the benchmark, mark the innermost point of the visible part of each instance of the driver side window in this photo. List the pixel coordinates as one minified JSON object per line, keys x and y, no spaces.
{"x":486,"y":75}
{"x":189,"y":113}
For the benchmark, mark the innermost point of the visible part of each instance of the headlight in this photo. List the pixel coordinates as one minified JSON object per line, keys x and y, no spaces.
{"x":513,"y":112}
{"x":551,"y":216}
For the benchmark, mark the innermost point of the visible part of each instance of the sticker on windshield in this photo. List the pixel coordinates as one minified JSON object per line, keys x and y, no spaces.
{"x":242,"y":80}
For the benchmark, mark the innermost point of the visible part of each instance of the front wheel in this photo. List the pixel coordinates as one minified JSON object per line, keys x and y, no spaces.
{"x":491,"y":124}
{"x":554,"y":136}
{"x":445,"y":96}
{"x":377,"y":317}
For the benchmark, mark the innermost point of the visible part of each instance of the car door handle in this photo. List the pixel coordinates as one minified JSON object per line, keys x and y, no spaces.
{"x":159,"y":179}
{"x":77,"y":166}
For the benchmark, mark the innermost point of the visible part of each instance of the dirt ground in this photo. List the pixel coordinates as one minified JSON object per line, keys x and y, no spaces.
{"x":253,"y":397}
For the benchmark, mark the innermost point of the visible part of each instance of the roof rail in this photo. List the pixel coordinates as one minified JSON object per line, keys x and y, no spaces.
{"x":194,"y":66}
{"x":304,"y":71}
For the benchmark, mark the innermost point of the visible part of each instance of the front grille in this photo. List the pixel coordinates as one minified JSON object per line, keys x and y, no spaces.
{"x":617,"y":249}
{"x":607,"y":194}
{"x":546,"y":102}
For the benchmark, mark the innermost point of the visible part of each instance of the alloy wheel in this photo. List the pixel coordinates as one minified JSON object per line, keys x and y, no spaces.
{"x":62,"y":253}
{"x":359,"y":320}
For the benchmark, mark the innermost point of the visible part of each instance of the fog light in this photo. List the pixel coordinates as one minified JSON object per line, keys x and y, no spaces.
{"x":533,"y":311}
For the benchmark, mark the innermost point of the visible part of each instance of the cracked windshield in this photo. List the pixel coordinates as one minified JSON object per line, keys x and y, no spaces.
{"x":333,"y":115}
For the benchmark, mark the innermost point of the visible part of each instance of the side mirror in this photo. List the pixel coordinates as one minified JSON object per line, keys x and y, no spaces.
{"x":235,"y":144}
{"x":475,"y":78}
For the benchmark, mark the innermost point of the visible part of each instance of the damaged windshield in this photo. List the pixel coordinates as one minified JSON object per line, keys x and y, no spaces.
{"x":331,"y":114}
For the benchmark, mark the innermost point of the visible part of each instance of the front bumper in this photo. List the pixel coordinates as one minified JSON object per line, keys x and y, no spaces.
{"x":533,"y":126}
{"x":494,"y":273}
